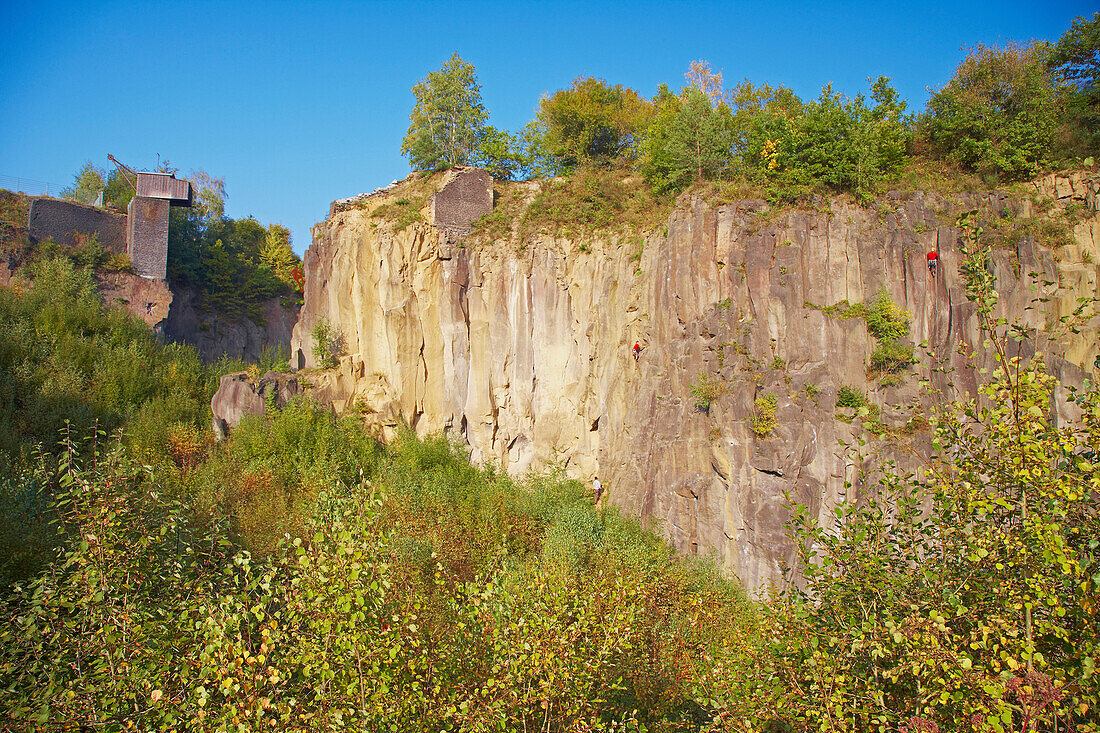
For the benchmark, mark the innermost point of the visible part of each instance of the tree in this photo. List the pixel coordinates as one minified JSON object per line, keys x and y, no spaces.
{"x":447,"y":125}
{"x":999,"y":114}
{"x":277,"y":256}
{"x":592,"y":123}
{"x":1076,"y":56}
{"x":118,"y":191}
{"x":209,"y":195}
{"x":88,"y":184}
{"x":690,"y":139}
{"x":1075,"y":60}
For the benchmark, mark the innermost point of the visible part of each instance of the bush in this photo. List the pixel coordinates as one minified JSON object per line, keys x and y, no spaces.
{"x":763,"y":421}
{"x":960,"y":601}
{"x":851,"y":397}
{"x":705,"y":391}
{"x":328,"y":344}
{"x":891,"y":356}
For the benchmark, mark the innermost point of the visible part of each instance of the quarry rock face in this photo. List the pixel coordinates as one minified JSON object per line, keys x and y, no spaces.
{"x":215,"y":335}
{"x":149,"y":300}
{"x":239,"y":395}
{"x":522,"y":349}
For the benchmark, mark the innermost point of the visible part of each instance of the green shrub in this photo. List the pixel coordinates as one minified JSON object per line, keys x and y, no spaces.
{"x":892,"y":356}
{"x":705,"y":390}
{"x":851,"y":397}
{"x":931,"y":604}
{"x":328,"y":344}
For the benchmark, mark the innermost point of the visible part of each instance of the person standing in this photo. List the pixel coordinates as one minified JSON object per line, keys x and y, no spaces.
{"x":597,"y":488}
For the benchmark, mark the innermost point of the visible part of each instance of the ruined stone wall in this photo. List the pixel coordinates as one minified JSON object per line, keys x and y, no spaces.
{"x":462,"y":201}
{"x":147,"y":236}
{"x":61,"y":220}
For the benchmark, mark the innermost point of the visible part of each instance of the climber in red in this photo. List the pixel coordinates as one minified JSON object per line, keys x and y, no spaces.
{"x":637,"y":350}
{"x":933,"y":260}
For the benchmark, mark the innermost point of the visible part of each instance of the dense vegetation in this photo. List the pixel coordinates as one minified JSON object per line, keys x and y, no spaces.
{"x":1007,"y":114}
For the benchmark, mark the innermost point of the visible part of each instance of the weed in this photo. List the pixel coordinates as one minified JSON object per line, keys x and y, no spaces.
{"x":763,"y":421}
{"x":704,"y":391}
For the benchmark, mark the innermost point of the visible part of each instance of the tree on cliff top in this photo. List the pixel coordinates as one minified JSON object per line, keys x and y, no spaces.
{"x":448,"y":122}
{"x":592,"y":123}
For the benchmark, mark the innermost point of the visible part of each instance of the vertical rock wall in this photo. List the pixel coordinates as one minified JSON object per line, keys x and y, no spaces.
{"x":524,"y":351}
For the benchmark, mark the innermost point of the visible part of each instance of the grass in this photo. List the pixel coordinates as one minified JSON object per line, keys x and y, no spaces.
{"x":594,"y":201}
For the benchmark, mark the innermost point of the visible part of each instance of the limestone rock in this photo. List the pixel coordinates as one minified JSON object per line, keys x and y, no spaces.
{"x":239,"y":395}
{"x":523,"y":349}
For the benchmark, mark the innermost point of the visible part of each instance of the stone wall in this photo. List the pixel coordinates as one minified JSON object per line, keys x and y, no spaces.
{"x":61,"y":220}
{"x":147,"y":236}
{"x":462,"y":201}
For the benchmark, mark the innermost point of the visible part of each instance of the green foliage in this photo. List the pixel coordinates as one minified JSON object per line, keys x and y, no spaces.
{"x":592,"y":123}
{"x":236,"y":265}
{"x":832,"y":143}
{"x":447,"y":124}
{"x":999,"y":114}
{"x":88,"y":184}
{"x":328,"y":344}
{"x":420,"y":592}
{"x":277,"y":256}
{"x":14,"y":208}
{"x":68,"y":365}
{"x":763,"y":421}
{"x":852,"y":397}
{"x":689,"y":140}
{"x":118,"y":191}
{"x":402,"y":212}
{"x":891,"y":356}
{"x":976,"y":615}
{"x":705,"y":390}
{"x":1075,"y":61}
{"x":889,"y":324}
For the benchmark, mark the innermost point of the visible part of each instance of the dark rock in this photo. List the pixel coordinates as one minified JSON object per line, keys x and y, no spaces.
{"x":238,"y":395}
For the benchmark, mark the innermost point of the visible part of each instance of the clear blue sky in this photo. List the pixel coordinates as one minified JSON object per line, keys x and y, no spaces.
{"x":295,"y":104}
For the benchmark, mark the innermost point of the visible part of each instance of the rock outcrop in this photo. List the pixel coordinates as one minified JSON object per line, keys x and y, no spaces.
{"x":239,"y":395}
{"x":522,"y":349}
{"x":146,"y":298}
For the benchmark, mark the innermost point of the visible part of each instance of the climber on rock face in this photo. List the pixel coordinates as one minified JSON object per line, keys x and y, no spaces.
{"x":637,"y":350}
{"x":933,"y":259}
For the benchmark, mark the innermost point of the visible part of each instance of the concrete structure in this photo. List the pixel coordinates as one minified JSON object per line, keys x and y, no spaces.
{"x":65,"y":222}
{"x":147,"y":221}
{"x":466,"y":197}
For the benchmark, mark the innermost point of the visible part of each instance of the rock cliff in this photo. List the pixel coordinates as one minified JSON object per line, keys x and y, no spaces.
{"x":522,"y":346}
{"x":215,"y":334}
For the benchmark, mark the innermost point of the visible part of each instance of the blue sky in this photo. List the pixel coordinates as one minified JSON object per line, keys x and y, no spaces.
{"x":295,"y":104}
